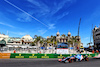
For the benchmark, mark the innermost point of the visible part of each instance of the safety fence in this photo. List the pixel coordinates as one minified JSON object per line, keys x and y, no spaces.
{"x":30,"y":55}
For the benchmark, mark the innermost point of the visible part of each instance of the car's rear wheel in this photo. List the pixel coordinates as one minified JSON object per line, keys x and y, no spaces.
{"x":86,"y":59}
{"x":70,"y":60}
{"x":79,"y":60}
{"x":75,"y":60}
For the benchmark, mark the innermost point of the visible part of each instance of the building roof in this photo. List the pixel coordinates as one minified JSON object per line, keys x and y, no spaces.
{"x":95,"y":28}
{"x":69,"y":33}
{"x":58,"y":33}
{"x":4,"y":36}
{"x":11,"y":39}
{"x":27,"y":37}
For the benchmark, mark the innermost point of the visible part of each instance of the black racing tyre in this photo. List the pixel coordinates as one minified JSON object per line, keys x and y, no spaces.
{"x":75,"y":60}
{"x":69,"y":60}
{"x":86,"y":59}
{"x":79,"y":60}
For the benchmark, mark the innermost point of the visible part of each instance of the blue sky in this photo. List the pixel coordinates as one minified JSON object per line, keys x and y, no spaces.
{"x":46,"y":17}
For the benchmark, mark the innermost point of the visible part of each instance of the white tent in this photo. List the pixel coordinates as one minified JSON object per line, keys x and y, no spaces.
{"x":23,"y":46}
{"x":16,"y":46}
{"x":30,"y":47}
{"x":9,"y":46}
{"x":35,"y":47}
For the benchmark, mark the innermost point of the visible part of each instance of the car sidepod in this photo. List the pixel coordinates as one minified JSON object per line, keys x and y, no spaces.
{"x":79,"y":57}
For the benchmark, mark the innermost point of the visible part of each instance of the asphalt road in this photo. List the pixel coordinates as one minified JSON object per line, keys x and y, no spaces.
{"x":46,"y":63}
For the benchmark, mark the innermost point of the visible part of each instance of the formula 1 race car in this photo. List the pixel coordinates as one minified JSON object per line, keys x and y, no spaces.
{"x":97,"y":57}
{"x":67,"y":59}
{"x":80,"y":57}
{"x":74,"y":58}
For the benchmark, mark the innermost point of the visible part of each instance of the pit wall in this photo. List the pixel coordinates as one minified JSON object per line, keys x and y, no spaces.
{"x":30,"y":55}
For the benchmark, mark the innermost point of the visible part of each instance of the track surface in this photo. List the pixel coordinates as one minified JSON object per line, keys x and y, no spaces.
{"x":46,"y":63}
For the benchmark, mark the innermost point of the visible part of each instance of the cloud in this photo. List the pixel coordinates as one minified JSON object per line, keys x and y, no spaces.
{"x":41,"y":7}
{"x":51,"y":26}
{"x":34,"y":2}
{"x":22,"y":17}
{"x":58,"y":6}
{"x":7,"y":24}
{"x":42,"y":31}
{"x":86,"y":38}
{"x":18,"y":33}
{"x":25,"y":13}
{"x":43,"y":11}
{"x":62,"y":15}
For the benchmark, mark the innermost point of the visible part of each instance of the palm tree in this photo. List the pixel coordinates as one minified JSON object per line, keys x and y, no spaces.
{"x":32,"y":44}
{"x":37,"y":41}
{"x":48,"y":41}
{"x":70,"y":42}
{"x":35,"y":36}
{"x":63,"y":35}
{"x":73,"y":41}
{"x":38,"y":38}
{"x":41,"y":42}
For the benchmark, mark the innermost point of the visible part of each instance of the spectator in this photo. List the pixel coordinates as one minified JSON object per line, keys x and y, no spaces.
{"x":14,"y":51}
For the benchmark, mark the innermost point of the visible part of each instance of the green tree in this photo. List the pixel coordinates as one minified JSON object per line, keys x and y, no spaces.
{"x":63,"y":35}
{"x":41,"y":42}
{"x":73,"y":40}
{"x":37,"y":41}
{"x":32,"y":44}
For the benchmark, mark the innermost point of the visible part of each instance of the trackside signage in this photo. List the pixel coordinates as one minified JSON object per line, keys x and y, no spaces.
{"x":30,"y":55}
{"x":33,"y":56}
{"x":45,"y":56}
{"x":19,"y":56}
{"x":60,"y":56}
{"x":62,"y":51}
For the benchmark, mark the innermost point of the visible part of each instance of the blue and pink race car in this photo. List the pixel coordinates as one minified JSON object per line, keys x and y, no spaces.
{"x":74,"y":58}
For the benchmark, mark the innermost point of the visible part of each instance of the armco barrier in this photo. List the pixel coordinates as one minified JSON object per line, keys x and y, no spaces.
{"x":30,"y":55}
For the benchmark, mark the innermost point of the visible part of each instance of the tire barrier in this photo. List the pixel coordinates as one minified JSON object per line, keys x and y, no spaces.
{"x":5,"y":55}
{"x":30,"y":55}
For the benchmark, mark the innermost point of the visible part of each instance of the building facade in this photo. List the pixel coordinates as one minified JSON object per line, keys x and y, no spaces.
{"x":25,"y":40}
{"x":66,"y":39}
{"x":3,"y":39}
{"x":96,"y":38}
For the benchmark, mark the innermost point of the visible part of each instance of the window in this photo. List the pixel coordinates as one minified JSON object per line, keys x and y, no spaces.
{"x":66,"y":40}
